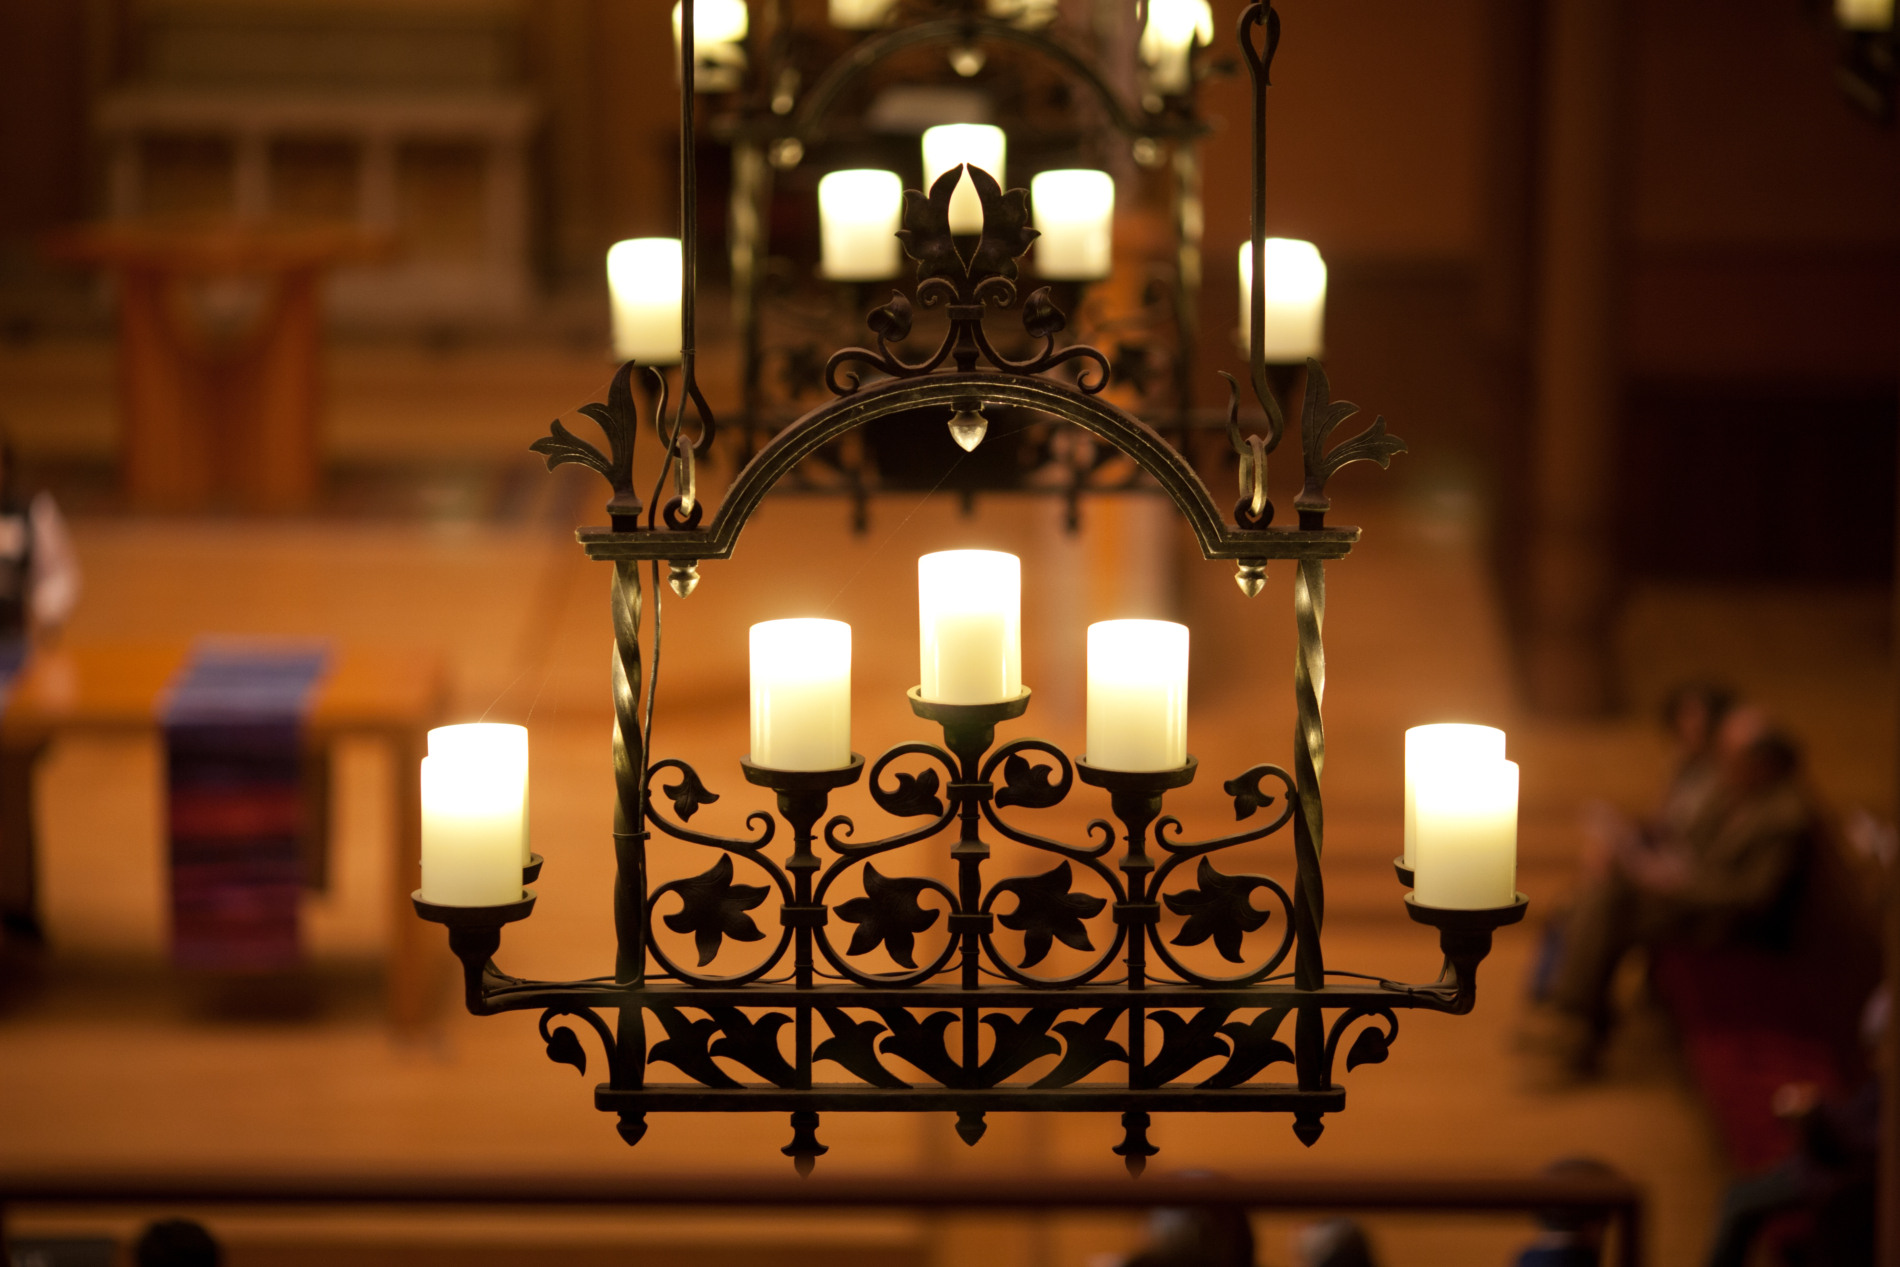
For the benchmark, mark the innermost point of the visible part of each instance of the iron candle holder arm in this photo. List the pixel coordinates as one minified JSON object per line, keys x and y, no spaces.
{"x":1465,"y":937}
{"x":474,"y":937}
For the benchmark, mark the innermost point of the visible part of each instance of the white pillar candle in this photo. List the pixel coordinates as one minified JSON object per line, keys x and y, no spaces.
{"x":719,"y":31}
{"x":1137,"y":718}
{"x":1864,"y":15}
{"x":977,"y":144}
{"x":801,"y":694}
{"x":1443,"y":743}
{"x":498,"y":749}
{"x":1467,"y":837}
{"x":969,"y":608}
{"x":860,"y":15}
{"x":1295,"y":293}
{"x":1075,"y":213}
{"x":644,"y":275}
{"x":471,"y":833}
{"x":1168,"y":39}
{"x":859,"y":213}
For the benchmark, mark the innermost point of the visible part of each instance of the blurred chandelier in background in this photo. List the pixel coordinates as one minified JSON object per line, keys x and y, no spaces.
{"x":823,"y":123}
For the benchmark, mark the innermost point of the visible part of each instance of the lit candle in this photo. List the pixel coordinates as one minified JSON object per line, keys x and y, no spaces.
{"x":473,"y":798}
{"x":1864,"y":15}
{"x":719,"y":31}
{"x":1467,"y":836}
{"x":1075,"y":213}
{"x":801,"y":694}
{"x":1295,"y":293}
{"x":1168,"y":39}
{"x":969,"y":607}
{"x":494,"y":747}
{"x":1137,"y":718}
{"x":644,"y":275}
{"x":977,"y":144}
{"x":859,"y":212}
{"x":860,"y":15}
{"x":1446,"y":743}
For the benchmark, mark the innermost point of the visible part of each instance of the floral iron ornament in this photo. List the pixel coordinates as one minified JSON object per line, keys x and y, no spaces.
{"x":803,"y":968}
{"x":965,"y":286}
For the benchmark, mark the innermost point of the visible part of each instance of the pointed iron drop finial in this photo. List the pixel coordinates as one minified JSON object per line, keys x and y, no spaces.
{"x":1308,"y":1127}
{"x":632,"y":1127}
{"x":1251,"y":577}
{"x":968,"y":426}
{"x":1135,"y":1150}
{"x":970,"y":1126}
{"x":683,"y":576}
{"x":804,"y":1150}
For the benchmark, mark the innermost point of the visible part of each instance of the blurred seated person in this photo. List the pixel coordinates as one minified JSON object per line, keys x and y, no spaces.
{"x":39,"y":584}
{"x":1829,"y":1177}
{"x":39,"y":570}
{"x":1727,"y":873}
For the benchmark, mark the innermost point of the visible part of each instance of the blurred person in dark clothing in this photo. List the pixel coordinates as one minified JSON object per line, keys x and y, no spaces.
{"x":177,"y":1243}
{"x":1728,"y":876}
{"x":1570,"y":1238}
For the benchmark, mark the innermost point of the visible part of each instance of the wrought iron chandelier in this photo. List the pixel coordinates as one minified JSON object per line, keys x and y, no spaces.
{"x":1136,"y":1009}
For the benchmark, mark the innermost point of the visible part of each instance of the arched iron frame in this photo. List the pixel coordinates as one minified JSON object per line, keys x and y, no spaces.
{"x":1087,"y":1020}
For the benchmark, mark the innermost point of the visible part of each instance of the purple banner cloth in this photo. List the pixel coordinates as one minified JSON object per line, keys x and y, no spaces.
{"x":233,"y":724}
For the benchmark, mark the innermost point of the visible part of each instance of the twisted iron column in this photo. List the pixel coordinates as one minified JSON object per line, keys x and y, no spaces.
{"x":1309,"y":831}
{"x":630,"y":836}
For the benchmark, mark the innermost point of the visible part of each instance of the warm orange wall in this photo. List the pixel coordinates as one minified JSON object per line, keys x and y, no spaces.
{"x":1372,"y":131}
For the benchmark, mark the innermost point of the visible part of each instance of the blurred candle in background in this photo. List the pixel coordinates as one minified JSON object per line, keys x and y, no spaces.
{"x":474,"y":800}
{"x":801,"y":694}
{"x":1864,"y":15}
{"x":1168,"y":39}
{"x":1295,"y":294}
{"x":1440,"y":744}
{"x":969,"y":608}
{"x":860,"y":15}
{"x":859,"y":213}
{"x":644,"y":276}
{"x":1137,"y":704}
{"x":1075,"y":213}
{"x":719,"y":31}
{"x":979,"y":145}
{"x":1467,"y":836}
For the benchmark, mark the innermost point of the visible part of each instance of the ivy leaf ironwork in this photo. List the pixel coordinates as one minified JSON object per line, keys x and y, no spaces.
{"x":1026,"y":785}
{"x":689,"y":793}
{"x":1041,"y":318}
{"x":564,"y":1048}
{"x":754,"y":1043}
{"x":915,"y":795}
{"x":619,"y":421}
{"x":1006,"y":230}
{"x":888,"y":913}
{"x":1249,"y":798}
{"x":922,"y":1044}
{"x":1185,"y":1043}
{"x":1370,"y":1048}
{"x":684,"y":1047}
{"x":1319,"y":418}
{"x":1255,"y":1047}
{"x":1088,"y":1048}
{"x":926,"y":230}
{"x":1019,"y":1043}
{"x":1046,"y":912}
{"x":714,"y":908}
{"x":853,"y":1044}
{"x":1219,"y":909}
{"x":891,"y":323}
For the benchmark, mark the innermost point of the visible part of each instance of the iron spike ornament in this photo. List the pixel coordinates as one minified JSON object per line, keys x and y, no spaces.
{"x":807,"y":969}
